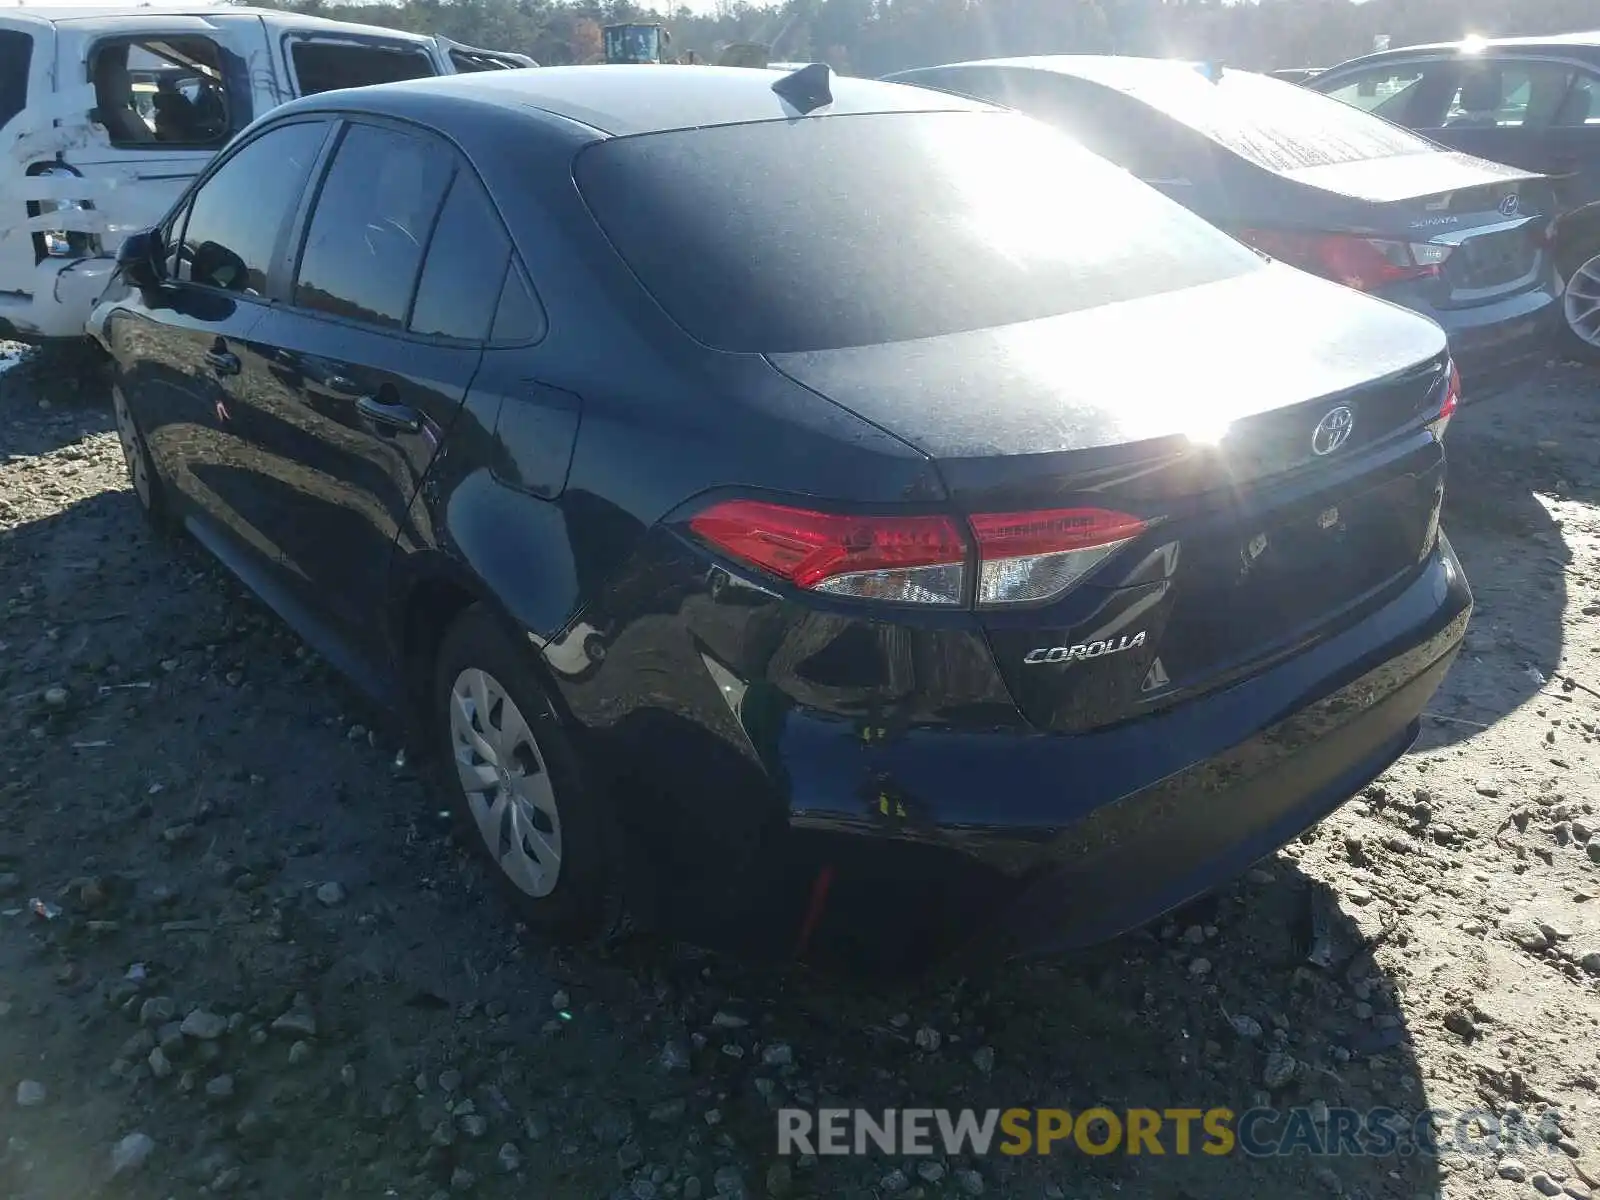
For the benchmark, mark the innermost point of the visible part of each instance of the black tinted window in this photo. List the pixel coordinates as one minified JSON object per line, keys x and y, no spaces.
{"x":237,"y":214}
{"x":854,"y":230}
{"x":324,"y":66}
{"x":372,"y":220}
{"x":16,"y":53}
{"x":520,"y":318}
{"x":466,"y":264}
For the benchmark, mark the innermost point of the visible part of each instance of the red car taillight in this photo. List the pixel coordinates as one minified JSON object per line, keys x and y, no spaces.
{"x":1451,"y":402}
{"x":906,"y":560}
{"x":1360,"y":262}
{"x":1021,"y":557}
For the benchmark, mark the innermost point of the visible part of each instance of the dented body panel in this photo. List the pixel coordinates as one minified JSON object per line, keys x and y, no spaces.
{"x":60,"y":230}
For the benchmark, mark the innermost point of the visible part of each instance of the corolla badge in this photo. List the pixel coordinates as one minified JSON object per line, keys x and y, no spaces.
{"x":1095,"y":649}
{"x":1510,"y":204}
{"x":1332,"y":431}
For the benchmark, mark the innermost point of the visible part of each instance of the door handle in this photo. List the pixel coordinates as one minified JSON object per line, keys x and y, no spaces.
{"x":222,"y":361}
{"x":391,"y":416}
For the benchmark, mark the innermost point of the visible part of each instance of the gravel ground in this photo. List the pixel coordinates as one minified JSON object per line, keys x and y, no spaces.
{"x":240,"y":953}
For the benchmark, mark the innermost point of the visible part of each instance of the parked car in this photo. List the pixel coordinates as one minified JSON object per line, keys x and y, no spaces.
{"x":1315,"y":184}
{"x":106,"y":115}
{"x":974,"y":535}
{"x":1296,"y":74}
{"x":1530,"y":102}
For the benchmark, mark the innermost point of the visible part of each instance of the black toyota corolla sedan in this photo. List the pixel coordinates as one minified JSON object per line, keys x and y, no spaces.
{"x":807,"y":512}
{"x":1321,"y":186}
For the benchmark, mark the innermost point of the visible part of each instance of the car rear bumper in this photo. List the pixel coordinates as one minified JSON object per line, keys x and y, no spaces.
{"x":1494,"y":344}
{"x":1026,"y":843}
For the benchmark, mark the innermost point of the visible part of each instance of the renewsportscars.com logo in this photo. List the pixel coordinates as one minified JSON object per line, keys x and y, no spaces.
{"x":1257,"y":1132}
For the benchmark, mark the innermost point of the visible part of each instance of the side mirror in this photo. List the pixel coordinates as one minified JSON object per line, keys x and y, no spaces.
{"x":139,"y":258}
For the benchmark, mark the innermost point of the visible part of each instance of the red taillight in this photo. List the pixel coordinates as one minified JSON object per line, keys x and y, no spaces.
{"x":1359,"y":262}
{"x":909,"y":560}
{"x":1022,"y":557}
{"x":1035,"y":555}
{"x":1451,"y":402}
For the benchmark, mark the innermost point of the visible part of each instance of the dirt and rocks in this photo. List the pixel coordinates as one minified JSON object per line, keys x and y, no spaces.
{"x":240,"y":953}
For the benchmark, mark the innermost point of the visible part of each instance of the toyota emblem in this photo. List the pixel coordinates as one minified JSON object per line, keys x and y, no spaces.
{"x":1510,"y":204}
{"x":1332,"y":431}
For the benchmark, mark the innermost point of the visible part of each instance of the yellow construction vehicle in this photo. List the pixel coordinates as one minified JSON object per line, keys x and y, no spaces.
{"x":634,"y":42}
{"x":646,"y":42}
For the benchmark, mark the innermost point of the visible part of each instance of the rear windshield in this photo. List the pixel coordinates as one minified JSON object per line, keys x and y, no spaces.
{"x":1279,"y":126}
{"x":16,"y":52}
{"x":829,"y":232}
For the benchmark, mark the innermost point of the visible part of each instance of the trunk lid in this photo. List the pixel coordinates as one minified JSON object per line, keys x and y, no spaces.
{"x":1492,"y":218}
{"x":1254,"y":542}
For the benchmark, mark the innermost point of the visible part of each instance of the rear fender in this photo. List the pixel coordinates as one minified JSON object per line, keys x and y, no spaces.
{"x":1577,"y":237}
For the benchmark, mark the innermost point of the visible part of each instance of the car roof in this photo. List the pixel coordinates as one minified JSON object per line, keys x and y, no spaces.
{"x":1589,"y":40}
{"x":135,"y":14}
{"x":1176,"y":87}
{"x":1125,"y":73}
{"x":621,"y":99}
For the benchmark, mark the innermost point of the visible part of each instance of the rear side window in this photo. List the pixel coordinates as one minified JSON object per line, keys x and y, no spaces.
{"x":467,"y":259}
{"x":1281,"y":126}
{"x":855,"y":230}
{"x":326,"y":66}
{"x":16,"y":55}
{"x":520,"y":318}
{"x":373,"y":217}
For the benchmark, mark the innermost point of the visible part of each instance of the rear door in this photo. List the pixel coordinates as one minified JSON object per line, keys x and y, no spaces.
{"x":364,"y":364}
{"x":140,"y":146}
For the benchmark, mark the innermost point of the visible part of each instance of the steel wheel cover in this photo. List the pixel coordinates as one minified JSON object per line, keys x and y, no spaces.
{"x":507,"y":786}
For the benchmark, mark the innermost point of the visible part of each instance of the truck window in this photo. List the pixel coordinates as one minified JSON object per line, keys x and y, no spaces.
{"x":327,"y":66}
{"x":157,"y":92}
{"x":466,"y":61}
{"x":16,"y":53}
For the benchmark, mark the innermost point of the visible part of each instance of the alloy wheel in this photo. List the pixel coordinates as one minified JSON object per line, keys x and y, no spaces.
{"x":507,"y":785}
{"x":1581,"y":302}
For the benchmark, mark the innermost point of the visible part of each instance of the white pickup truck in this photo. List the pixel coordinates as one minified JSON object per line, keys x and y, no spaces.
{"x":106,"y":114}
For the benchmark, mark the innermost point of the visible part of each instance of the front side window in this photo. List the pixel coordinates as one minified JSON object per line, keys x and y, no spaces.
{"x":162,"y":92}
{"x":1383,"y":91}
{"x":372,"y":221}
{"x":235,"y":217}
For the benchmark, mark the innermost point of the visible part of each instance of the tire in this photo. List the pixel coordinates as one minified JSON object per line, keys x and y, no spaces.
{"x":149,"y":490}
{"x":545,"y":835}
{"x":1580,"y":303}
